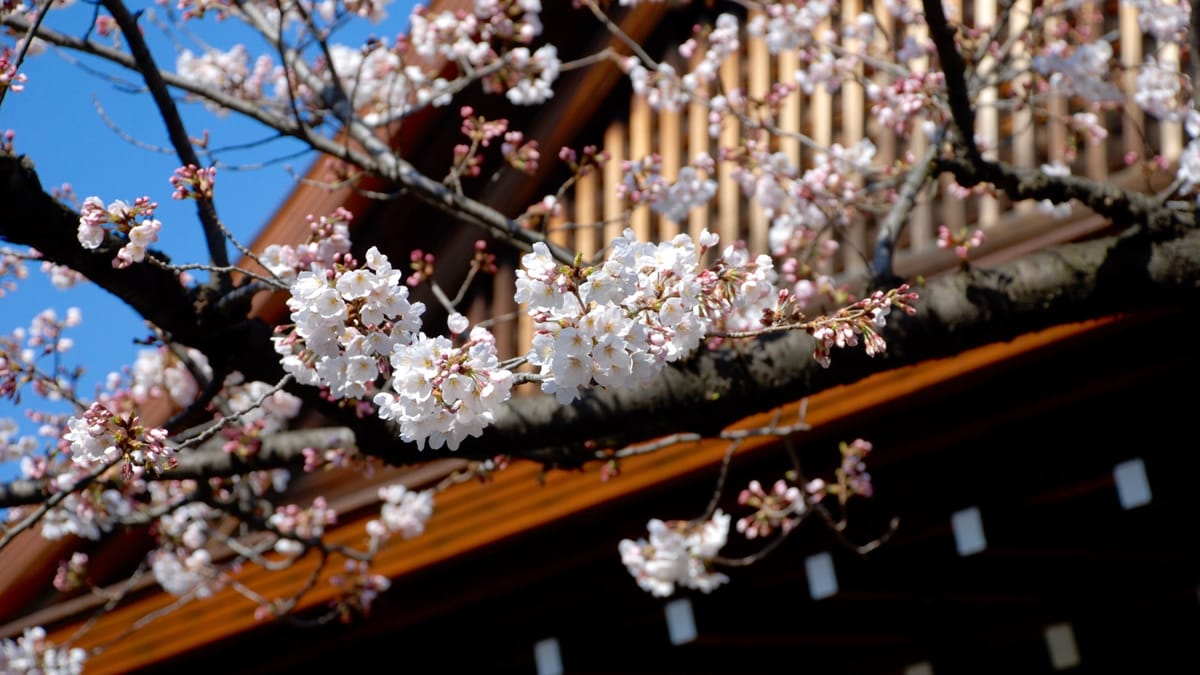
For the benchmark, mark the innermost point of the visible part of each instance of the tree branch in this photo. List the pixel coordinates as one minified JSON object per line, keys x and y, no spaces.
{"x":1069,"y":283}
{"x":205,"y":208}
{"x":1123,"y":207}
{"x":33,"y":217}
{"x":954,"y":68}
{"x":890,"y":228}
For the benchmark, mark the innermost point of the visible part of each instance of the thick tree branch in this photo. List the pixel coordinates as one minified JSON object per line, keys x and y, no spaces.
{"x":957,"y":312}
{"x":1123,"y":207}
{"x":954,"y":68}
{"x":1064,"y":284}
{"x":34,"y":218}
{"x":205,"y":208}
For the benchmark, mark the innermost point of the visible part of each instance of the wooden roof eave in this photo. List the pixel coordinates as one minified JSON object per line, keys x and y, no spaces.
{"x":469,"y":517}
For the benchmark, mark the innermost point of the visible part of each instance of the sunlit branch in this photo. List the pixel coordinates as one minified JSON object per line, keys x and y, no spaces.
{"x":391,"y":167}
{"x":191,"y":441}
{"x":23,"y":48}
{"x":114,"y":598}
{"x":616,"y":31}
{"x":900,"y":212}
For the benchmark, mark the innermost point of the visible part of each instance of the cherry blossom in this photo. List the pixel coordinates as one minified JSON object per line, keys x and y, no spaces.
{"x":32,"y":654}
{"x":677,"y":553}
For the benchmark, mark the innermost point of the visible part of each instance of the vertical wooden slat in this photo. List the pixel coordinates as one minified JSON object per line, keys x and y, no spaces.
{"x":987,"y":119}
{"x":585,"y":215}
{"x":758,"y":83}
{"x":1170,"y":138}
{"x":641,"y":135}
{"x":1056,"y":104}
{"x":854,"y":248}
{"x":1024,"y":142}
{"x":508,"y":342}
{"x":1096,"y":154}
{"x":558,"y":232}
{"x":885,"y":139}
{"x":789,"y":113}
{"x":698,"y":142}
{"x":670,"y":144}
{"x":821,"y":108}
{"x":728,"y":191}
{"x":820,"y":113}
{"x":920,"y":227}
{"x":524,"y":326}
{"x":1132,"y":121}
{"x":614,"y":144}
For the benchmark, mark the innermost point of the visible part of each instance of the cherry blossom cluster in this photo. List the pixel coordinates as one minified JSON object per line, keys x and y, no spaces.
{"x":329,"y":236}
{"x":1167,"y":22}
{"x":799,"y":203}
{"x":353,"y":324}
{"x":231,"y":72}
{"x":852,"y":476}
{"x":182,"y":572}
{"x":788,"y":26}
{"x":471,"y":40}
{"x":182,"y":564}
{"x":860,"y":320}
{"x":619,"y":323}
{"x":15,"y":446}
{"x":665,"y":89}
{"x":677,"y":553}
{"x":87,"y":513}
{"x":61,"y":276}
{"x":9,"y":77}
{"x":33,"y":654}
{"x":781,"y":508}
{"x":899,"y":104}
{"x":442,"y":393}
{"x":644,"y":183}
{"x":21,"y":351}
{"x":960,"y":242}
{"x":197,"y":9}
{"x":403,"y":511}
{"x":517,"y":152}
{"x":133,"y":221}
{"x":99,"y":437}
{"x":12,"y":264}
{"x":380,"y":85}
{"x":71,"y":573}
{"x":161,"y":372}
{"x":296,"y":526}
{"x":358,"y":589}
{"x":346,"y":320}
{"x":193,"y":182}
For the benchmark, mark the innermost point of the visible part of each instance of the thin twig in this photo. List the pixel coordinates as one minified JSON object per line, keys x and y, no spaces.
{"x":23,"y":48}
{"x":205,"y":208}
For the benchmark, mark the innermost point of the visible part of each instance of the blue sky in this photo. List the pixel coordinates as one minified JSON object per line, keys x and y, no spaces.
{"x":60,"y":128}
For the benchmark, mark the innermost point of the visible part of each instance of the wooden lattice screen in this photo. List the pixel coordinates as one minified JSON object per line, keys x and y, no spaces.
{"x":593,"y":214}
